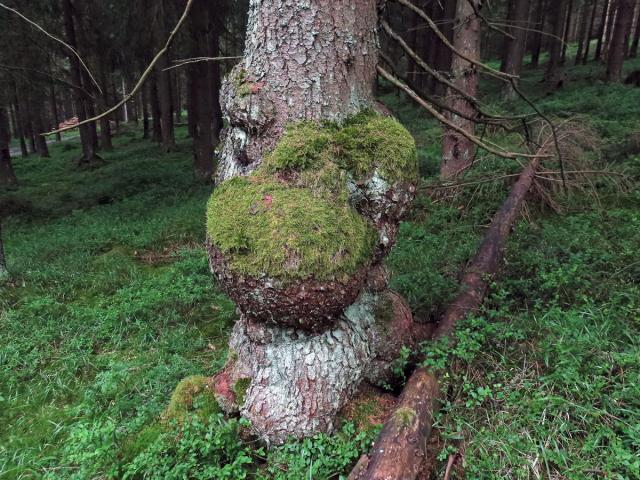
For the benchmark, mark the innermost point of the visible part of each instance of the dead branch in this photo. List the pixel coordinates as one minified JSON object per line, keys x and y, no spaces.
{"x":434,"y":28}
{"x":142,"y":79}
{"x":53,"y":37}
{"x":187,"y":61}
{"x":494,"y":149}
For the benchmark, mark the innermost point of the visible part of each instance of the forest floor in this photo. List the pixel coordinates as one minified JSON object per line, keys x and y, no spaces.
{"x":112,"y":304}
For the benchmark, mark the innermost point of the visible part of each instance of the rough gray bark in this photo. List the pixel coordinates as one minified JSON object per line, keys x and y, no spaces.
{"x":304,"y":60}
{"x":311,"y":60}
{"x":457,"y":150}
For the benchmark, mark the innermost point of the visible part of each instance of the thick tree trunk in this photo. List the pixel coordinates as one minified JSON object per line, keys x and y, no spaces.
{"x":163,"y":78}
{"x":458,"y":151}
{"x":87,"y":138}
{"x":619,"y":38}
{"x":557,"y":14}
{"x":514,"y":50}
{"x":303,"y":62}
{"x":7,"y":175}
{"x":594,"y":8}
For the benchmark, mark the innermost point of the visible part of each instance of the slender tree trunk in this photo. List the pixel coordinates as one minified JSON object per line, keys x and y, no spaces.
{"x":4,"y":272}
{"x":601,"y":29}
{"x":443,"y":53}
{"x":163,"y":81}
{"x":619,"y":37}
{"x":103,"y":102}
{"x":514,"y":49}
{"x":537,"y":36}
{"x":458,"y":151}
{"x":145,"y":110}
{"x":87,"y":140}
{"x":7,"y":175}
{"x":633,"y":50}
{"x":155,"y":112}
{"x":19,"y":122}
{"x":583,"y":32}
{"x":557,"y":14}
{"x":177,"y":97}
{"x":566,"y":37}
{"x":594,"y":8}
{"x":608,"y":35}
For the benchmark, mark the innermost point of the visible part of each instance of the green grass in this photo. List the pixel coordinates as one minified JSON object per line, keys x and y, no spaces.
{"x":112,"y":304}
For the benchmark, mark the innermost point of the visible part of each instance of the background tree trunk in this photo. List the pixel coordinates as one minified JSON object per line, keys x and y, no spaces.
{"x":537,"y":36}
{"x":619,"y":36}
{"x":155,"y":111}
{"x":458,"y":151}
{"x":87,"y":137}
{"x":4,"y":273}
{"x":514,"y":49}
{"x":633,"y":50}
{"x":594,"y":8}
{"x":7,"y":175}
{"x":163,"y":78}
{"x":557,"y":15}
{"x":601,"y":29}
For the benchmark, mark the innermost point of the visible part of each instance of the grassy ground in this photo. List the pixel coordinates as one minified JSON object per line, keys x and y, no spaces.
{"x":111,"y":304}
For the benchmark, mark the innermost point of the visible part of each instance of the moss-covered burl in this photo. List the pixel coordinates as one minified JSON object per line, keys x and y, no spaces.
{"x":292,"y":242}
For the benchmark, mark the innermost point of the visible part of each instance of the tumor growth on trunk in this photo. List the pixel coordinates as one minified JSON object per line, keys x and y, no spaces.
{"x":312,"y":184}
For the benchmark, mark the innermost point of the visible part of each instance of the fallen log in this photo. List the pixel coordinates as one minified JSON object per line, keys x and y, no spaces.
{"x":401,"y":446}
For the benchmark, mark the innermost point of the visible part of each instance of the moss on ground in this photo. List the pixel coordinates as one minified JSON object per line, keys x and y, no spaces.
{"x":192,"y":396}
{"x":240,"y":390}
{"x":264,"y":227}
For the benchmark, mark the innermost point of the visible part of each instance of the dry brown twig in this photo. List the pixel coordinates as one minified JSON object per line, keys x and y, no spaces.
{"x":186,"y":61}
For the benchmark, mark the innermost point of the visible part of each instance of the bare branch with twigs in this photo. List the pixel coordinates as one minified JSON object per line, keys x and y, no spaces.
{"x":53,"y":37}
{"x":142,"y":79}
{"x":187,"y":61}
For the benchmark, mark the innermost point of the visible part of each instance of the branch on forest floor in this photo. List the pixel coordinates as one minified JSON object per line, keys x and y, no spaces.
{"x":53,"y":37}
{"x":142,"y":79}
{"x":402,"y":444}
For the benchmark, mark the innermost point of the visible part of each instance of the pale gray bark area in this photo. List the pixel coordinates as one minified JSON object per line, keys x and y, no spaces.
{"x":299,"y":380}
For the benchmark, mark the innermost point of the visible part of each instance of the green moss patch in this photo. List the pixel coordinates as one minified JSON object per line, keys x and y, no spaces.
{"x":192,"y":396}
{"x":265,"y":227}
{"x":240,"y":390}
{"x":361,"y":145}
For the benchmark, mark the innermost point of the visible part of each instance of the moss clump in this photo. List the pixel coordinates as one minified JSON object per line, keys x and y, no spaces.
{"x":372,"y":141}
{"x":265,"y":227}
{"x":364,"y":143}
{"x":137,"y":443}
{"x":240,"y":390}
{"x":192,"y":396}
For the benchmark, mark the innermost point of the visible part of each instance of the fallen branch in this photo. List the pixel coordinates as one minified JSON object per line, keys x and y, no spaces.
{"x":402,"y":445}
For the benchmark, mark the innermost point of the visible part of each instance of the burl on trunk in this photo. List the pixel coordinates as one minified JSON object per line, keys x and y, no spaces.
{"x":312,"y":184}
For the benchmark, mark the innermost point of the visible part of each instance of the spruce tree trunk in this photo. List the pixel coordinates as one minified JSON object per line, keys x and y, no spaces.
{"x":303,"y":61}
{"x":601,"y":29}
{"x":103,"y":102}
{"x":557,"y":15}
{"x":537,"y":38}
{"x":163,"y":78}
{"x":566,"y":38}
{"x":583,"y":32}
{"x":54,"y":110}
{"x":4,"y":273}
{"x":594,"y":8}
{"x":7,"y":175}
{"x":156,"y":124}
{"x":87,"y":137}
{"x":514,"y":51}
{"x":19,"y":121}
{"x":144,"y":95}
{"x":619,"y":38}
{"x":608,"y":34}
{"x":458,"y":151}
{"x":633,"y":50}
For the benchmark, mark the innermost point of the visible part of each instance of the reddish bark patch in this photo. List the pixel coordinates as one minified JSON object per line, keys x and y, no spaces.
{"x":308,"y":304}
